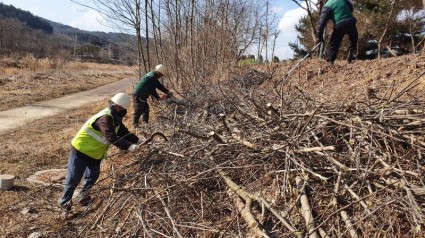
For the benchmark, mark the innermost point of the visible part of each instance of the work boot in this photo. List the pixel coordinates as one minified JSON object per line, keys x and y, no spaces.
{"x":84,"y":198}
{"x":66,"y":207}
{"x":351,"y":56}
{"x":329,"y":61}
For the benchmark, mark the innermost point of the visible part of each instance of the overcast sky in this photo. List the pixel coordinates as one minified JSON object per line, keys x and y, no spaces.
{"x":69,"y":13}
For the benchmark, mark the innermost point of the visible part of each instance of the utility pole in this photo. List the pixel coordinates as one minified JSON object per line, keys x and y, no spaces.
{"x":75,"y":46}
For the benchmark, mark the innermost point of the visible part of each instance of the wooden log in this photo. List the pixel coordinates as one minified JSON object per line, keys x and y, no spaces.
{"x":408,"y":111}
{"x":334,"y":161}
{"x":245,"y":195}
{"x":348,"y":224}
{"x":245,"y":142}
{"x":245,"y":211}
{"x":304,"y":150}
{"x":402,"y":172}
{"x":315,"y":149}
{"x":355,"y":196}
{"x":323,"y":233}
{"x":306,"y":211}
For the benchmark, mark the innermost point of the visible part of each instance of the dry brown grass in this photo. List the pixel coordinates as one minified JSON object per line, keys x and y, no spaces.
{"x":34,"y":80}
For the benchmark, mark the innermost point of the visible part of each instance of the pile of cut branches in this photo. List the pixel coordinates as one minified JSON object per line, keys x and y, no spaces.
{"x":242,"y":161}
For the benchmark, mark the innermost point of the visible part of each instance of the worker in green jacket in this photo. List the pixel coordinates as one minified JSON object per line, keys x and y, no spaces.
{"x":344,"y":23}
{"x":146,"y":87}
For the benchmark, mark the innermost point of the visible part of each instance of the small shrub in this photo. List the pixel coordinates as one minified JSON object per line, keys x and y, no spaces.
{"x":29,"y":62}
{"x":44,"y":64}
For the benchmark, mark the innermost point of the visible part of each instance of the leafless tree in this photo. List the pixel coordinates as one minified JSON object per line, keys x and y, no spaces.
{"x":413,"y":17}
{"x":387,"y":25}
{"x":195,"y":39}
{"x":275,"y":35}
{"x":125,"y":15}
{"x":309,"y":8}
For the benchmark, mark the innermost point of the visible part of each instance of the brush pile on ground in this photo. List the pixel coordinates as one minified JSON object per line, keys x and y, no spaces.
{"x":265,"y":159}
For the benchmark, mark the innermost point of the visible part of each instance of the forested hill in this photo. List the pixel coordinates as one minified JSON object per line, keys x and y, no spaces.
{"x":37,"y":23}
{"x":50,"y":27}
{"x":94,"y":37}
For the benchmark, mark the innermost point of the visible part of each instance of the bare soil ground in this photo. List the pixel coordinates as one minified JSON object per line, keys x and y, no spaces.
{"x":173,"y":188}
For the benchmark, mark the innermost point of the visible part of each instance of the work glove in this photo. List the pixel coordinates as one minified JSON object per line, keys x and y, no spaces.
{"x":133,"y":148}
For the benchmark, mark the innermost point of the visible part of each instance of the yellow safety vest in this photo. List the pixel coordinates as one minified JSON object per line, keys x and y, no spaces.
{"x":90,"y":141}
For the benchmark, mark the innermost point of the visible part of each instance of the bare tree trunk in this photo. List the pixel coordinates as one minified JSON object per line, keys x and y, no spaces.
{"x":386,"y":28}
{"x":140,"y":55}
{"x":310,"y":16}
{"x":276,"y":34}
{"x":154,"y":30}
{"x":147,"y":34}
{"x":160,"y":45}
{"x":412,"y":34}
{"x":267,"y":29}
{"x":259,"y":46}
{"x":192,"y":38}
{"x":208,"y":35}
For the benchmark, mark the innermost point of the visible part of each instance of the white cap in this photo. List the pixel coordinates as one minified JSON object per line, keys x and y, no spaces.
{"x":122,"y":100}
{"x":161,"y":69}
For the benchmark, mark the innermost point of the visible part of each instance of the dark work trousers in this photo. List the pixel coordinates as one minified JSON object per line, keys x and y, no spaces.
{"x":79,"y":165}
{"x":340,"y":30}
{"x":141,"y":107}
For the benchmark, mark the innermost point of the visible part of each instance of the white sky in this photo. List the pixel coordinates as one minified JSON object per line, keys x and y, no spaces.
{"x":69,"y":13}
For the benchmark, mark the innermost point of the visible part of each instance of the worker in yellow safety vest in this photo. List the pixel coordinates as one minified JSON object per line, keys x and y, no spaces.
{"x":89,"y":147}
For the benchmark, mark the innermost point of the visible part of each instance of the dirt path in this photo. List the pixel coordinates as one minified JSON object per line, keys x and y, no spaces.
{"x":14,"y":118}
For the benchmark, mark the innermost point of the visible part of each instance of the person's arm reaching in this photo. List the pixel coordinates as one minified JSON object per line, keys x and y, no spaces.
{"x":152,"y":85}
{"x":105,"y":125}
{"x":324,"y":17}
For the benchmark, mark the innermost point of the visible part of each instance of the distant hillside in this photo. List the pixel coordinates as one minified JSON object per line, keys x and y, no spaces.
{"x":9,"y":11}
{"x":101,"y":39}
{"x":94,"y":37}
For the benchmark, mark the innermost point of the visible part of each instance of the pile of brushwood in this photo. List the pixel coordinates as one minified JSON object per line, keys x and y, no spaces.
{"x":270,"y":160}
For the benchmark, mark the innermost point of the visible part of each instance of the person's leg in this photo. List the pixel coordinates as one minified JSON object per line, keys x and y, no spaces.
{"x":353,"y":37}
{"x":137,"y":110}
{"x":91,"y":174}
{"x":145,"y":112}
{"x":75,"y":171}
{"x":334,"y":43}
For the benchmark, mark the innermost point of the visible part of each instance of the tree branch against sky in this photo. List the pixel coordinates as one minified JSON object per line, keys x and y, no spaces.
{"x":309,"y":6}
{"x":125,"y":16}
